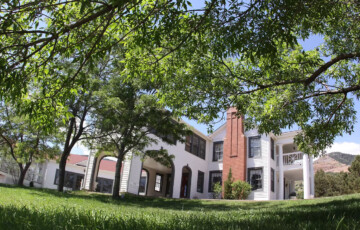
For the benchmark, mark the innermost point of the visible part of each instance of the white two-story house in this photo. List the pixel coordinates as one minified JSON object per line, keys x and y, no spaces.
{"x":271,"y":164}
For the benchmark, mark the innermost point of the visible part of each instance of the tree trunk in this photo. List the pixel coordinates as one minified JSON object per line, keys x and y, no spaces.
{"x":116,"y":188}
{"x":23,"y":172}
{"x":62,"y":167}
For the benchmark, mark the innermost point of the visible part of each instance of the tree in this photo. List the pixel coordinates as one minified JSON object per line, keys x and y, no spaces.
{"x":321,"y":183}
{"x":228,"y":194}
{"x":78,"y":126}
{"x":126,"y":116}
{"x":354,"y":175}
{"x":35,"y":34}
{"x":253,"y":61}
{"x":22,"y":141}
{"x":237,"y":53}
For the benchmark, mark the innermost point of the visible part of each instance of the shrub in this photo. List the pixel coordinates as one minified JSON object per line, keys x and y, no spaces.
{"x":217,"y":190}
{"x":240,"y":190}
{"x":228,"y":188}
{"x":300,"y":194}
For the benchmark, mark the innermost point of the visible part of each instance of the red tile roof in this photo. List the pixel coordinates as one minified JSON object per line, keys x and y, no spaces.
{"x":105,"y":164}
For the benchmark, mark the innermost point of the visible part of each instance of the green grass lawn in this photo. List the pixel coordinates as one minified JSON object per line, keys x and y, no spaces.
{"x":25,"y":208}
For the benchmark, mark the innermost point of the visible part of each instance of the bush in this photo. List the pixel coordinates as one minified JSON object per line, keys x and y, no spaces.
{"x":240,"y":190}
{"x":228,"y":188}
{"x":217,"y":190}
{"x":300,"y":194}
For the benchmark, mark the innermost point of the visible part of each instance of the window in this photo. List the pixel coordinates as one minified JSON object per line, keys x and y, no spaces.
{"x":272,"y":149}
{"x":255,"y":178}
{"x":158,"y":182}
{"x":104,"y":185}
{"x":218,"y":151}
{"x":254,"y":147}
{"x":215,"y":176}
{"x":165,"y":137}
{"x":200,"y":182}
{"x":195,"y":145}
{"x":143,"y":182}
{"x":72,"y":180}
{"x":272,"y":180}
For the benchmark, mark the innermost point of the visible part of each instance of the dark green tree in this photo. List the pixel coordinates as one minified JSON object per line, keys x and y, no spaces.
{"x":124,"y":119}
{"x":228,"y":190}
{"x":23,"y":142}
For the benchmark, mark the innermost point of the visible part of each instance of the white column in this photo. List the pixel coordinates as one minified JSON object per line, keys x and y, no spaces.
{"x":312,"y":182}
{"x":281,"y":173}
{"x":306,"y":176}
{"x":89,"y":171}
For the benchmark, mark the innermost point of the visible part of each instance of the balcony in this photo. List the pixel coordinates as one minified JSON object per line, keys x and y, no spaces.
{"x":294,"y":158}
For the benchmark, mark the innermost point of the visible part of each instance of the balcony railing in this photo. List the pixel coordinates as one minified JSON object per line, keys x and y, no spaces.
{"x":294,"y":158}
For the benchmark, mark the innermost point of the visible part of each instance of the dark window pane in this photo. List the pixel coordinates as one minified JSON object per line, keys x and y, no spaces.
{"x":195,"y":145}
{"x":255,"y":178}
{"x":218,"y":151}
{"x":202,"y":149}
{"x":188,"y":144}
{"x":200,"y":182}
{"x":272,"y":180}
{"x":272,"y":149}
{"x":254,"y":147}
{"x":214,"y":177}
{"x":158,"y":182}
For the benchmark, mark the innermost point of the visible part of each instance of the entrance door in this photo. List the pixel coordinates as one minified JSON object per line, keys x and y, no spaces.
{"x":184,"y":186}
{"x":168,"y":184}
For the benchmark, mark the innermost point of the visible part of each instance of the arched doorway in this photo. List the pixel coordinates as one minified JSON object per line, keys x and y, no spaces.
{"x":156,"y":179}
{"x":185,"y":182}
{"x":143,"y":184}
{"x":105,"y":174}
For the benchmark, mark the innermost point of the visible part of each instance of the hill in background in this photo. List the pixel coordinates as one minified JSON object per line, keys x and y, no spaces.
{"x":334,"y":162}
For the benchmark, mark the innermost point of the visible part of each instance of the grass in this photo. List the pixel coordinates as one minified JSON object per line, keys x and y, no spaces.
{"x":30,"y":208}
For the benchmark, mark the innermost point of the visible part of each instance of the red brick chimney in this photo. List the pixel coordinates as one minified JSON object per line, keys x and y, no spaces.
{"x":234,"y":154}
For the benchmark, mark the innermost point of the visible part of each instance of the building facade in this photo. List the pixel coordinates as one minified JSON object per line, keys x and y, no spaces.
{"x":271,"y":164}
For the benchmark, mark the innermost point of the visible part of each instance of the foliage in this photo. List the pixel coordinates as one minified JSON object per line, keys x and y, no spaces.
{"x":47,"y":209}
{"x":35,"y":34}
{"x":300,"y":194}
{"x":126,"y":114}
{"x":334,"y":184}
{"x":217,"y":190}
{"x":23,"y":141}
{"x":240,"y":190}
{"x":244,"y":54}
{"x":228,"y":186}
{"x":354,"y":169}
{"x":254,"y":62}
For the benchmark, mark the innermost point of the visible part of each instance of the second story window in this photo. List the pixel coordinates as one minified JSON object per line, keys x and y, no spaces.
{"x":254,"y":147}
{"x":272,"y":149}
{"x":195,"y":145}
{"x":218,"y":151}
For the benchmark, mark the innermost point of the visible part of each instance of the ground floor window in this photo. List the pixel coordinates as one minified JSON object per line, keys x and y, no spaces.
{"x":200,"y":182}
{"x":272,"y":180}
{"x":143,"y":182}
{"x":104,"y":185}
{"x":255,"y":178}
{"x":214,"y":177}
{"x":72,"y":180}
{"x":158,"y":182}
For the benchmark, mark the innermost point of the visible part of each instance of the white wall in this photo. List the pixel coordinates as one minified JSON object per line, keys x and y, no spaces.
{"x":261,"y":162}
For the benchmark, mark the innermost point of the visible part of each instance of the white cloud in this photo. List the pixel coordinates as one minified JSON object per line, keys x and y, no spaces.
{"x":79,"y":148}
{"x":345,"y":147}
